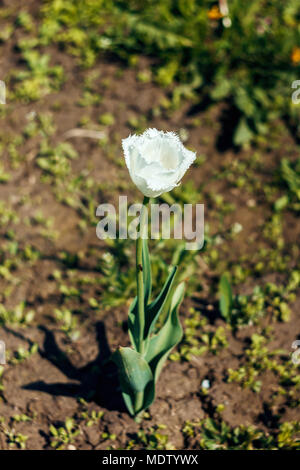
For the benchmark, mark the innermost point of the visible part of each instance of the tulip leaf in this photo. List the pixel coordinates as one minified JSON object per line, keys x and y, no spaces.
{"x":169,"y":335}
{"x":226,"y":297}
{"x":133,"y":326}
{"x":149,"y":394}
{"x":134,"y":371}
{"x":162,"y":343}
{"x":133,"y":321}
{"x":156,"y":307}
{"x":128,"y":395}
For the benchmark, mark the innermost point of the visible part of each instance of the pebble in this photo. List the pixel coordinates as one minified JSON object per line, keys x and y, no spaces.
{"x":205,"y":384}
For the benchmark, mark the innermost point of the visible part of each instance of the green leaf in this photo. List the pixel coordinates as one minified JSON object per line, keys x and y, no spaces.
{"x":128,"y":395}
{"x":243,"y":134}
{"x":291,"y":175}
{"x":53,"y":430}
{"x":149,"y":395}
{"x":168,"y":336}
{"x":156,"y":307}
{"x":225,"y":297}
{"x":69,"y":424}
{"x":221,"y":90}
{"x":160,"y":345}
{"x":281,"y":203}
{"x":134,"y":371}
{"x":244,"y":102}
{"x":133,"y":324}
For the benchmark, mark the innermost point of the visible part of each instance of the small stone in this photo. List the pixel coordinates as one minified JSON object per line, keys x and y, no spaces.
{"x":205,"y":384}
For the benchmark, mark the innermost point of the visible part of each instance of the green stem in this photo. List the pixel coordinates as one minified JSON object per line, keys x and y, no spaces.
{"x":140,"y":276}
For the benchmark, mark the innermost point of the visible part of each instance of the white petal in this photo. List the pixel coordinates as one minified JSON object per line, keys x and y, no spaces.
{"x":156,"y":160}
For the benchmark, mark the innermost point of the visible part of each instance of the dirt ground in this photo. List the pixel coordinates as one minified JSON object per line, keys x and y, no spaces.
{"x":70,"y":377}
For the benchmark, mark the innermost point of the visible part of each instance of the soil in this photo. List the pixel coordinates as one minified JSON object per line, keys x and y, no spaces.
{"x":49,"y":386}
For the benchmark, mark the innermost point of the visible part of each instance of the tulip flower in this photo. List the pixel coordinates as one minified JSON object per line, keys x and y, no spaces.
{"x":156,"y":161}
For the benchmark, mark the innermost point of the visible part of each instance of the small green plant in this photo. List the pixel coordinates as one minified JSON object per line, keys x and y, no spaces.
{"x":68,"y":323}
{"x":7,"y":215}
{"x":258,"y":360}
{"x":22,"y":354}
{"x":56,"y":161}
{"x":226,"y":297}
{"x":92,"y":418}
{"x":289,"y":435}
{"x":211,"y":434}
{"x":198,"y":338}
{"x":289,"y":175}
{"x":118,"y":285}
{"x":64,"y":435}
{"x":151,"y":439}
{"x":107,"y":119}
{"x":23,"y":418}
{"x":25,"y":21}
{"x":16,"y":316}
{"x":39,"y":80}
{"x":248,"y":309}
{"x":13,"y":438}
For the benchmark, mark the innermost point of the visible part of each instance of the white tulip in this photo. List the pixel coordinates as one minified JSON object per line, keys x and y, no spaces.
{"x":156,"y":161}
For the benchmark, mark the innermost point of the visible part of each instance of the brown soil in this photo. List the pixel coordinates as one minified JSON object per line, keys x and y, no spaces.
{"x":46,"y":387}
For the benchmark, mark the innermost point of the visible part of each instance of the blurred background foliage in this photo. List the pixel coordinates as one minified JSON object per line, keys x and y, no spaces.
{"x":242,"y":53}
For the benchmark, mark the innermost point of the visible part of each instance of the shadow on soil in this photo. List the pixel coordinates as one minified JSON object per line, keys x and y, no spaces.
{"x":96,"y":381}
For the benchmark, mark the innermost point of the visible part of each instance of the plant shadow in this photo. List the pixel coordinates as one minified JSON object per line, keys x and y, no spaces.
{"x":209,"y":310}
{"x":229,"y":119}
{"x":97,"y":381}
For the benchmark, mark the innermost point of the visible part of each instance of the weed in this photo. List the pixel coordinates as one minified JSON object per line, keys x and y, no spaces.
{"x":64,"y":435}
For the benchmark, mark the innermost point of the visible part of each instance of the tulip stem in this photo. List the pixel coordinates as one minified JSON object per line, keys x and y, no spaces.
{"x":139,"y":272}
